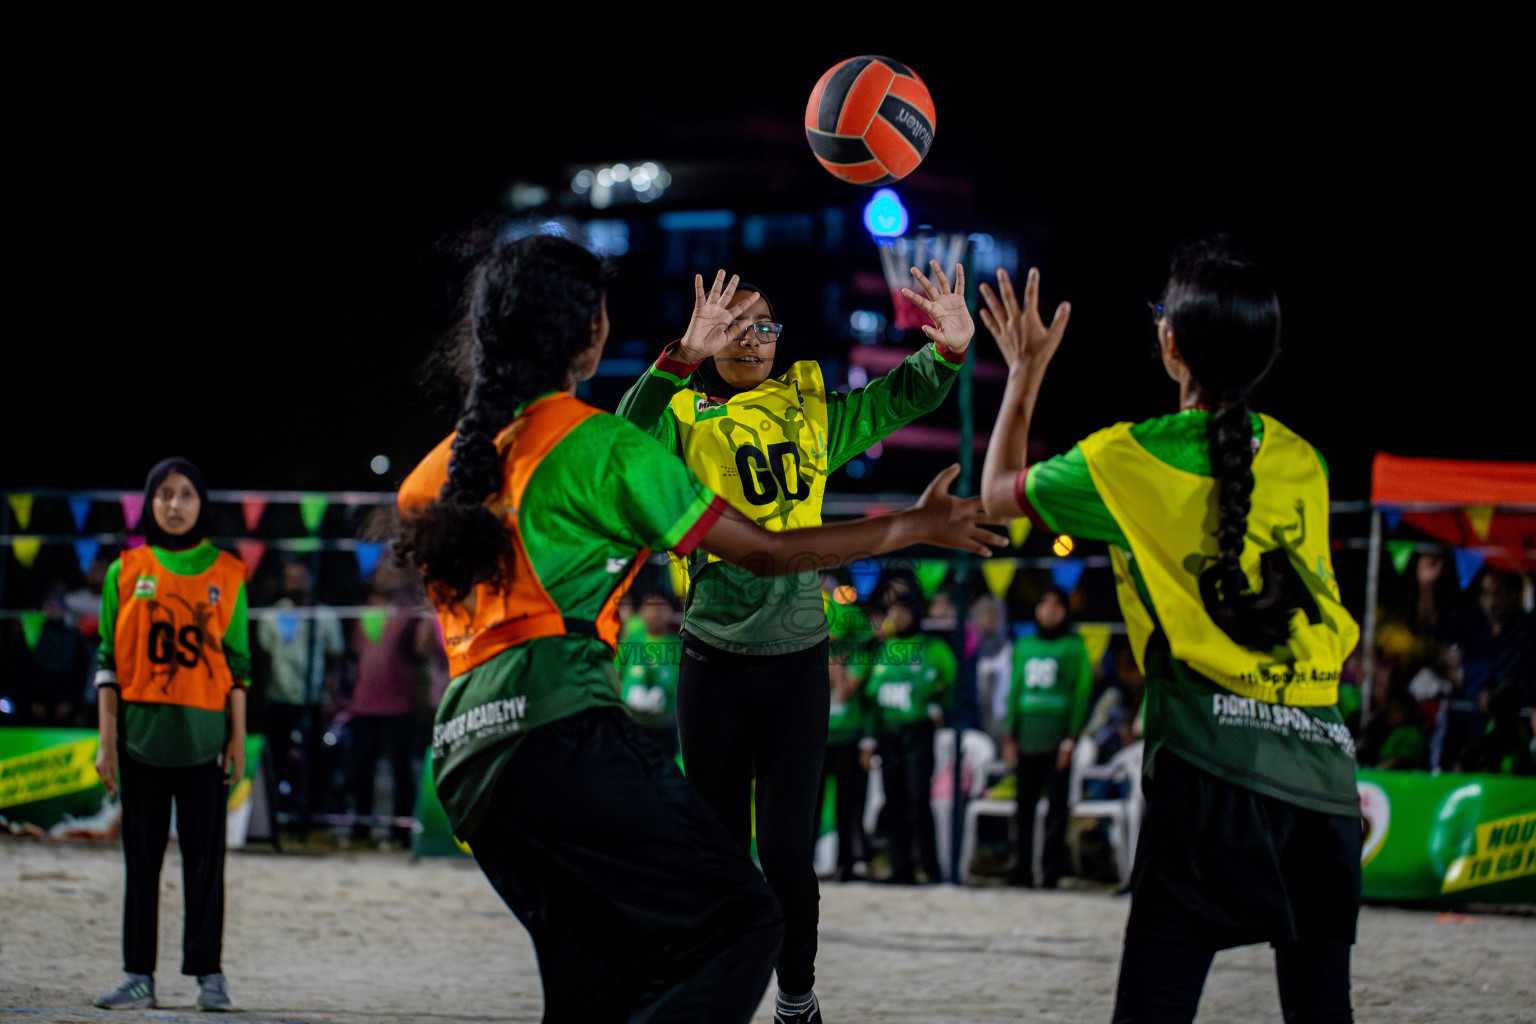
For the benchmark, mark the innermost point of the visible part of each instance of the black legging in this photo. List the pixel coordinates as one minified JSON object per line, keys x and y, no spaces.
{"x":842,"y":764}
{"x":906,"y":771}
{"x":1160,"y":982}
{"x":740,"y":716}
{"x":1038,"y":772}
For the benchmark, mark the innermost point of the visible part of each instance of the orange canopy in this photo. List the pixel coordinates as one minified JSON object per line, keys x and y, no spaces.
{"x":1489,"y":506}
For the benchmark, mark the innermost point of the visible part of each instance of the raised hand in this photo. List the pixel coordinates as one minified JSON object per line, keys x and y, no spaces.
{"x":954,"y":522}
{"x":1020,"y":333}
{"x":709,"y":327}
{"x":945,"y":305}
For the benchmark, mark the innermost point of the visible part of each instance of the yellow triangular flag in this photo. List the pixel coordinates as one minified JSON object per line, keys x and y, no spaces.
{"x":677,"y":571}
{"x":1096,"y":638}
{"x":26,"y":549}
{"x":998,"y":572}
{"x":21,"y":504}
{"x":1480,"y":517}
{"x":1018,"y":530}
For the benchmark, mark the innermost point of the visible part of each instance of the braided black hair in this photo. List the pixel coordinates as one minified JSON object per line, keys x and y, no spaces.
{"x":526,"y":316}
{"x":1225,"y":318}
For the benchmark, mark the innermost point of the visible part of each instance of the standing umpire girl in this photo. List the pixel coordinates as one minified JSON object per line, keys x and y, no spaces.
{"x":528,"y":523}
{"x":754,"y":693}
{"x":174,"y":666}
{"x":1218,"y":524}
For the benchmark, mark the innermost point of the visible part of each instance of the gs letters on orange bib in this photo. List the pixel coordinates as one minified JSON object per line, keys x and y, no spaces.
{"x":170,"y":631}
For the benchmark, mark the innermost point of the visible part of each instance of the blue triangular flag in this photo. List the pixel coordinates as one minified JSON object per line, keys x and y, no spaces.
{"x":368,"y":553}
{"x":1067,"y":572}
{"x":85,"y":551}
{"x":1392,"y":516}
{"x":865,"y":575}
{"x":79,"y":508}
{"x":1467,"y":565}
{"x":287,"y":626}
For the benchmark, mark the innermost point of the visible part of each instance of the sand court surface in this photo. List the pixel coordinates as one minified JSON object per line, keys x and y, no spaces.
{"x":375,"y":937}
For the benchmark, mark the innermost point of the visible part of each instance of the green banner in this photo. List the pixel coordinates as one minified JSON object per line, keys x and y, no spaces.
{"x":1448,"y":837}
{"x":46,"y":774}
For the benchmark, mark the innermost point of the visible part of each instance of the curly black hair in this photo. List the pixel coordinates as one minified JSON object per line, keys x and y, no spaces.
{"x":1225,"y":315}
{"x":526,"y":314}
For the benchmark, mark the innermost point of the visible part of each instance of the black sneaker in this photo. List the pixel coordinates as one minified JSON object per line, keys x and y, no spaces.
{"x":810,"y":1013}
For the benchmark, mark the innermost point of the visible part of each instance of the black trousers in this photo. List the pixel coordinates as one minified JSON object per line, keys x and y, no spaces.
{"x":1038,"y":772}
{"x":200,"y":797}
{"x":741,"y":716}
{"x":375,"y":736}
{"x":641,"y":907}
{"x":842,"y":764}
{"x":906,"y":770}
{"x":1218,"y":865}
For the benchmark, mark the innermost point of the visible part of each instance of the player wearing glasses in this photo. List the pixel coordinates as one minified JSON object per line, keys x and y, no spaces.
{"x":754,"y":694}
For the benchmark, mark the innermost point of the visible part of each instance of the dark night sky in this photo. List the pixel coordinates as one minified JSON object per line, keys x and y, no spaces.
{"x":227,"y":225}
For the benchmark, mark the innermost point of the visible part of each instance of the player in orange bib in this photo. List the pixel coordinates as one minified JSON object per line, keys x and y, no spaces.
{"x":174,"y":666}
{"x":528,"y":523}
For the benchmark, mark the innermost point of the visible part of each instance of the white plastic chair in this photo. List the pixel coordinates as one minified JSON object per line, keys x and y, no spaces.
{"x":1123,"y":814}
{"x":977,"y":752}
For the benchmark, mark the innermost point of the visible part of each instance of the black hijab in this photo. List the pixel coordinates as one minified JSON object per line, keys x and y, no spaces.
{"x":152,"y":532}
{"x":707,"y":377}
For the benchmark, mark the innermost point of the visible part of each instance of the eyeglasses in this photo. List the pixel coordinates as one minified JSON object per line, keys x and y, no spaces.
{"x":1158,"y":313}
{"x":766,"y":331}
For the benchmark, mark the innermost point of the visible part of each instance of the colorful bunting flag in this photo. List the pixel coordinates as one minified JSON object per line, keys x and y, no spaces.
{"x":312,"y":509}
{"x":865,"y":575}
{"x":86,"y":549}
{"x":287,"y":626}
{"x":373,"y":623}
{"x":1467,"y":565}
{"x":251,"y":553}
{"x":133,"y":509}
{"x":1480,"y":518}
{"x":134,"y":540}
{"x":368,"y":554}
{"x":930,"y":573}
{"x":1096,"y":638}
{"x":26,"y":549}
{"x":1067,"y":573}
{"x":1392,"y":516}
{"x":251,"y":509}
{"x":32,"y":627}
{"x":79,"y":508}
{"x":1400,"y":551}
{"x":1018,"y":531}
{"x":998,"y":572}
{"x":21,"y":504}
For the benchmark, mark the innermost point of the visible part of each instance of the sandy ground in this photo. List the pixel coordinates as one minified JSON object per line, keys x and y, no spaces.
{"x":373,"y":937}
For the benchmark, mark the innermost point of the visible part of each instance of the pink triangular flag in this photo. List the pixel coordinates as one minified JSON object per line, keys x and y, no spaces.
{"x":135,"y":540}
{"x":251,"y":553}
{"x":133,"y":509}
{"x":252,"y":508}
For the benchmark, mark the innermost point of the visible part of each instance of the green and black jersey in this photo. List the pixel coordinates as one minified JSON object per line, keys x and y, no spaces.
{"x":1048,"y":697}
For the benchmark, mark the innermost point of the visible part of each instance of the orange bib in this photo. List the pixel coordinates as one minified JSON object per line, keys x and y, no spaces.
{"x":170,"y":630}
{"x":490,"y":621}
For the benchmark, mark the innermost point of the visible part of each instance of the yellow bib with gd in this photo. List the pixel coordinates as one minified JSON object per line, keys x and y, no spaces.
{"x":1169,"y":516}
{"x":765,"y":450}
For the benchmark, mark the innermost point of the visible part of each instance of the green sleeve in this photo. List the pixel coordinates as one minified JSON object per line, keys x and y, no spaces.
{"x":648,"y":404}
{"x":1082,"y":687}
{"x":1063,"y":495}
{"x":864,"y":415}
{"x":106,"y":654}
{"x":237,"y":642}
{"x":654,"y":498}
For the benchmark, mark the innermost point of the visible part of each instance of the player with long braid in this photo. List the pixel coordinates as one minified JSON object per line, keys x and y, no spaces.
{"x":1217,"y":521}
{"x":528,"y":523}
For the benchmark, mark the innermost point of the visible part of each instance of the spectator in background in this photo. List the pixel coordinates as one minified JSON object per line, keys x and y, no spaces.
{"x":1114,"y":723}
{"x":1050,"y":687}
{"x":910,"y":677}
{"x":649,"y":659}
{"x":851,"y":647}
{"x":1493,"y":668}
{"x":987,"y":641}
{"x":1394,"y":740}
{"x":382,"y":712}
{"x":304,"y":643}
{"x":51,"y":685}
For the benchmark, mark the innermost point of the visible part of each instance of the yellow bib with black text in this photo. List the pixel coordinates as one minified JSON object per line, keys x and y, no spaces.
{"x":765,"y":450}
{"x":1169,"y":516}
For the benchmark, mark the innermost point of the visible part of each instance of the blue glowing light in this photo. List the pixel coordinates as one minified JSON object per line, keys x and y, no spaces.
{"x":884,"y":216}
